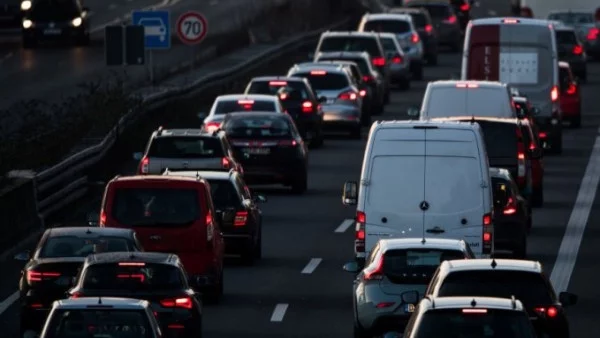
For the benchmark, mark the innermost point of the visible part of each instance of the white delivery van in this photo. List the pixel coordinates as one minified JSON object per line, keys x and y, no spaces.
{"x":423,"y":179}
{"x":448,"y":98}
{"x":522,"y":53}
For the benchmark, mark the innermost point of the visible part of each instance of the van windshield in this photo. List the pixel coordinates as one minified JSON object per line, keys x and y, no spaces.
{"x":155,"y":207}
{"x":500,"y":139}
{"x":484,"y":102}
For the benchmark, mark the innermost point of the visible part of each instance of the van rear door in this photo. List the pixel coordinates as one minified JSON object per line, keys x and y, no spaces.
{"x":454,"y":186}
{"x":395,"y":185}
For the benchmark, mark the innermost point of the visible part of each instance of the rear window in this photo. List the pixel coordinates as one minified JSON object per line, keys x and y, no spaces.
{"x":54,"y":10}
{"x":360,"y":62}
{"x":224,"y":194}
{"x":435,"y":11}
{"x":292,"y":89}
{"x":419,"y":20}
{"x":351,"y":44}
{"x":226,"y":107}
{"x":500,"y":139}
{"x":566,"y":38}
{"x":329,"y":81}
{"x":185,"y":147}
{"x":389,"y":26}
{"x":530,"y":288}
{"x":73,"y":246}
{"x":415,"y":266}
{"x":258,"y":127}
{"x":449,"y":101}
{"x":484,"y":323}
{"x":99,"y":323}
{"x":142,"y":277}
{"x":572,"y":18}
{"x":389,"y":45}
{"x":156,"y":207}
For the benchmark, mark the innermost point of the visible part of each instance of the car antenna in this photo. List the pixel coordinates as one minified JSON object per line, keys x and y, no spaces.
{"x":494,"y":264}
{"x":88,"y":231}
{"x":99,"y":300}
{"x":423,"y":241}
{"x":473,"y":303}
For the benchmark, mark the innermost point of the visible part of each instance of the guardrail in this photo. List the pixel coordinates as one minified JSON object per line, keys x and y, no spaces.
{"x":60,"y":185}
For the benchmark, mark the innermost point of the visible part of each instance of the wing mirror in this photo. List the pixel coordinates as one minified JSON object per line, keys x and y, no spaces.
{"x":260,"y":198}
{"x":137,"y":156}
{"x":322,"y":99}
{"x":536,"y":153}
{"x":500,"y":194}
{"x":351,"y":267}
{"x":567,"y":299}
{"x":23,"y":256}
{"x":410,"y":297}
{"x":412,"y":112}
{"x":350,"y":194}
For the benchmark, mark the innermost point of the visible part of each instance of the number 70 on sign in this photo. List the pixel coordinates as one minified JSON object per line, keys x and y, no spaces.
{"x":192,"y":27}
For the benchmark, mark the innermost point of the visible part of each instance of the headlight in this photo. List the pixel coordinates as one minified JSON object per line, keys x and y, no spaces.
{"x":27,"y":24}
{"x":77,"y":22}
{"x":26,"y":5}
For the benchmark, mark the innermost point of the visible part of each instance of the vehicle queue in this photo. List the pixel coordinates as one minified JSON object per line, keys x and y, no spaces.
{"x":440,"y":199}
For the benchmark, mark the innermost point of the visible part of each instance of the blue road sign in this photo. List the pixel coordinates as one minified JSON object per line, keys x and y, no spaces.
{"x":157,"y":28}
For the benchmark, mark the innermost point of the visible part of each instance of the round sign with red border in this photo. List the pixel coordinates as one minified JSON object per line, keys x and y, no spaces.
{"x":192,"y":28}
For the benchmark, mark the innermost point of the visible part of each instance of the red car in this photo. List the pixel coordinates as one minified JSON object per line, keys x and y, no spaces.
{"x":171,"y":214}
{"x":570,"y":96}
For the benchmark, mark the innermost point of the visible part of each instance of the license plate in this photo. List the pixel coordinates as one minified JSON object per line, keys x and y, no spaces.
{"x":409,"y":308}
{"x":63,"y":281}
{"x":52,"y":31}
{"x":330,"y":101}
{"x":257,"y":151}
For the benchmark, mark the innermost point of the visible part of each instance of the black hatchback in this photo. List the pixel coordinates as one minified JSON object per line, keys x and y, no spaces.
{"x":56,"y":20}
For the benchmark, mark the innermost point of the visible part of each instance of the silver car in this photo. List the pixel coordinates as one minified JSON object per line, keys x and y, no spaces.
{"x":403,"y":27}
{"x":342,"y":107}
{"x":399,"y":61}
{"x":396,"y":275}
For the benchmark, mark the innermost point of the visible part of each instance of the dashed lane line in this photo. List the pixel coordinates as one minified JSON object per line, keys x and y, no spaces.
{"x":279,"y":312}
{"x":311,"y":266}
{"x":8,"y":302}
{"x":344,"y":226}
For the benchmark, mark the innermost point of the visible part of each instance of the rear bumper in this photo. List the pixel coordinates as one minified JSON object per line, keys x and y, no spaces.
{"x":379,"y":324}
{"x":35,"y":306}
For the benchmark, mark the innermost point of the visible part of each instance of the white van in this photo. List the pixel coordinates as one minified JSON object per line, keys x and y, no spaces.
{"x":449,"y":98}
{"x":521,"y":52}
{"x":423,"y":179}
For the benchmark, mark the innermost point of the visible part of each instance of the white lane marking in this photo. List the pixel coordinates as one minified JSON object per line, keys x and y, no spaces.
{"x":112,"y":6}
{"x":279,"y":312}
{"x":569,"y":247}
{"x":344,"y":226}
{"x":163,"y":3}
{"x":311,"y":266}
{"x":8,"y":302}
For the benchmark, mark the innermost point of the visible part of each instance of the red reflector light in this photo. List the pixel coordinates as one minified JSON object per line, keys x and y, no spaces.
{"x":487,"y":219}
{"x":307,"y":107}
{"x":572,"y":89}
{"x":34,"y":276}
{"x":428,"y":28}
{"x":578,"y":50}
{"x":480,"y":311}
{"x":384,"y":305}
{"x":378,"y":61}
{"x":451,"y":19}
{"x":225,"y":163}
{"x":414,"y":38}
{"x":554,"y":94}
{"x":512,"y":21}
{"x":278,"y":83}
{"x":465,"y":7}
{"x":132,"y":264}
{"x":593,"y":33}
{"x":318,"y":72}
{"x":240,"y":218}
{"x":243,"y":102}
{"x":184,"y":303}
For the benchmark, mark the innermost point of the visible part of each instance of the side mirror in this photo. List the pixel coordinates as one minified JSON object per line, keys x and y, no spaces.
{"x":23,"y":256}
{"x":535,"y":111}
{"x":410,"y":297}
{"x":138,"y":156}
{"x":260,"y":198}
{"x":350,"y":194}
{"x":202,"y":115}
{"x":322,"y":99}
{"x":412,"y":111}
{"x":500,"y":194}
{"x":567,"y":299}
{"x":351,"y":267}
{"x":536,"y":153}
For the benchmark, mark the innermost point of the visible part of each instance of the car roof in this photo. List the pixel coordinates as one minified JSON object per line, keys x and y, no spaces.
{"x":349,"y":33}
{"x":142,"y":257}
{"x":455,"y":83}
{"x":152,"y":178}
{"x":341,"y":62}
{"x":563,"y":64}
{"x":388,"y":16}
{"x":435,"y":303}
{"x":398,"y":10}
{"x":415,"y":243}
{"x":499,"y":21}
{"x":236,"y":114}
{"x":184,"y":132}
{"x":406,"y":124}
{"x":429,"y":2}
{"x":387,"y":35}
{"x":500,"y":173}
{"x":450,"y":266}
{"x":86,"y":302}
{"x":278,"y":78}
{"x":235,"y":97}
{"x":89,"y":232}
{"x":560,"y":26}
{"x":329,"y":67}
{"x":465,"y":118}
{"x":344,"y":54}
{"x":207,"y":175}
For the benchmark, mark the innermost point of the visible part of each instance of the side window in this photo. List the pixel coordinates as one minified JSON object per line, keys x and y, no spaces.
{"x":373,"y":254}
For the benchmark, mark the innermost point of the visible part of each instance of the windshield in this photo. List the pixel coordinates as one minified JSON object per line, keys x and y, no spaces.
{"x":389,"y":26}
{"x":481,"y":323}
{"x":73,"y":246}
{"x":293,"y":90}
{"x":148,"y":207}
{"x":224,"y":194}
{"x":132,"y":276}
{"x":330,"y":81}
{"x":360,"y":62}
{"x":105,"y":323}
{"x":226,"y":107}
{"x":572,"y":18}
{"x":415,"y":266}
{"x":186,"y":147}
{"x":351,"y":44}
{"x":54,"y":10}
{"x":530,"y":288}
{"x":258,"y":127}
{"x":566,"y":38}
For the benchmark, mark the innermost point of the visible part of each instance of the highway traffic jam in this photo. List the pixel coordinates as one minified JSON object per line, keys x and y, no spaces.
{"x":444,"y":203}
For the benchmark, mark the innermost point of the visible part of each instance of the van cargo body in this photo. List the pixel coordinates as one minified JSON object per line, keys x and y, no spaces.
{"x":522,"y":53}
{"x":425,"y":179}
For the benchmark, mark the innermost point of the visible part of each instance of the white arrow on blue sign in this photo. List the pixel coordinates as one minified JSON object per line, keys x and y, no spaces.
{"x":157,"y":28}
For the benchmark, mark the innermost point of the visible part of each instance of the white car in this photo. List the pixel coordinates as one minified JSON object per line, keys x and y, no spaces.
{"x":154,"y":27}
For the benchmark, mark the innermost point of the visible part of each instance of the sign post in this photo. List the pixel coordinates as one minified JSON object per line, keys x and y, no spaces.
{"x":157,"y":32}
{"x":192,"y":28}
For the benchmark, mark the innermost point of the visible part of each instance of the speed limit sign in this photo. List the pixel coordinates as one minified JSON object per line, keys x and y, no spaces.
{"x":192,"y":28}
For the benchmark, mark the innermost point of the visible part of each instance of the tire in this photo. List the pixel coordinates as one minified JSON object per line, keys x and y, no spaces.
{"x":537,"y":198}
{"x":432,"y":60}
{"x":356,"y":133}
{"x":300,"y":185}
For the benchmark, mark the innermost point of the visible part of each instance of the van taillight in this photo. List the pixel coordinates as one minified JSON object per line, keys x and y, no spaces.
{"x":144,"y":164}
{"x":578,"y":50}
{"x":554,"y":94}
{"x":102,"y":218}
{"x":487,"y":235}
{"x":307,"y":107}
{"x":240,"y":219}
{"x":359,"y":240}
{"x":225,"y":163}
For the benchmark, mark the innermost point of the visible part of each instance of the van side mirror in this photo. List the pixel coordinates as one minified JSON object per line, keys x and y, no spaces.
{"x":412,"y":112}
{"x":351,"y":267}
{"x":137,"y":156}
{"x":410,"y":297}
{"x":500,"y":194}
{"x":23,"y":256}
{"x":350,"y":194}
{"x":536,"y":153}
{"x":322,"y":99}
{"x":567,"y":299}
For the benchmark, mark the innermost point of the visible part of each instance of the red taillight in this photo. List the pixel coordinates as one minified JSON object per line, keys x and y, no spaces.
{"x":511,"y":207}
{"x":428,"y":28}
{"x":362,"y":93}
{"x":75,"y":295}
{"x":572,"y":90}
{"x":543,"y":135}
{"x":277,"y":83}
{"x":367,"y":78}
{"x":307,"y":107}
{"x":287,"y":143}
{"x":348,"y":96}
{"x":361,"y":217}
{"x":35,"y":276}
{"x":397,"y":59}
{"x":487,"y":235}
{"x":184,"y":303}
{"x":240,"y":219}
{"x":487,"y":219}
{"x":384,"y":305}
{"x":578,"y":50}
{"x":550,"y":312}
{"x":225,"y":163}
{"x":144,"y":164}
{"x":375,"y":270}
{"x":212,"y":126}
{"x":318,"y":72}
{"x":451,"y":19}
{"x":359,"y":240}
{"x":102,"y":217}
{"x":415,"y":38}
{"x":378,"y":61}
{"x":132,"y":264}
{"x":465,"y":7}
{"x":554,"y":94}
{"x":593,"y":33}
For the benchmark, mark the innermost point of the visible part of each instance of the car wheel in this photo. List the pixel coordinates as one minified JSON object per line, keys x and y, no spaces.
{"x":537,"y":198}
{"x":300,"y":185}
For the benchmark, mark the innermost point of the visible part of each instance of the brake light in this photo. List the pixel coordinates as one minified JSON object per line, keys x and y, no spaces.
{"x":240,"y":218}
{"x":318,"y":72}
{"x":243,"y":102}
{"x":362,"y":93}
{"x":283,"y":96}
{"x":184,"y":303}
{"x":102,"y":217}
{"x":287,"y":143}
{"x":467,"y":85}
{"x":378,"y":61}
{"x":144,"y":165}
{"x":451,"y":19}
{"x":510,"y":21}
{"x":480,"y":311}
{"x":554,"y":94}
{"x":511,"y":207}
{"x":577,"y":50}
{"x":367,"y":78}
{"x":550,"y":312}
{"x":307,"y":107}
{"x":359,"y":240}
{"x":176,"y":326}
{"x":225,"y":163}
{"x":487,"y":235}
{"x":572,"y":90}
{"x":465,"y":7}
{"x":374,"y":271}
{"x":428,"y":28}
{"x":278,"y":83}
{"x":35,"y":276}
{"x":414,"y":38}
{"x":487,"y":219}
{"x":543,"y":135}
{"x":212,"y":126}
{"x":132,"y":264}
{"x":348,"y":96}
{"x":397,"y":59}
{"x":593,"y":33}
{"x":139,"y":276}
